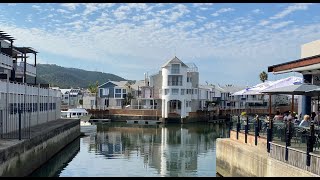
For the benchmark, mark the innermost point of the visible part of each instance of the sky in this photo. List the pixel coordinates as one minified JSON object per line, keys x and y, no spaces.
{"x":229,"y":43}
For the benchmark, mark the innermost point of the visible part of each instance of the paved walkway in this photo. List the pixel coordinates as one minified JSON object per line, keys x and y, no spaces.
{"x":37,"y":131}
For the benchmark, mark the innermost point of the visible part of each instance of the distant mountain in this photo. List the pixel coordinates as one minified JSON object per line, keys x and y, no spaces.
{"x":71,"y":77}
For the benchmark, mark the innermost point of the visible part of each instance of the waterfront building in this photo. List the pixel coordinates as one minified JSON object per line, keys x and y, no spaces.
{"x":309,"y":66}
{"x":112,"y":94}
{"x":70,"y":98}
{"x":89,"y":100}
{"x":227,"y":101}
{"x":19,"y":91}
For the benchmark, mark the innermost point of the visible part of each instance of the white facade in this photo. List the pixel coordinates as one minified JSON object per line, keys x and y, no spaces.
{"x":39,"y":105}
{"x":71,"y":97}
{"x":310,"y":49}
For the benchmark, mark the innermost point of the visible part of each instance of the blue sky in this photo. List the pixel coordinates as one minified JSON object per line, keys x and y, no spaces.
{"x":229,"y":43}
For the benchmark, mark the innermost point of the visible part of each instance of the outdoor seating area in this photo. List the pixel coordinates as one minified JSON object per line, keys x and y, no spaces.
{"x":299,"y":134}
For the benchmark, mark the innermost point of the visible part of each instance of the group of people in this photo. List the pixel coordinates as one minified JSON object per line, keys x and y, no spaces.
{"x":293,"y":117}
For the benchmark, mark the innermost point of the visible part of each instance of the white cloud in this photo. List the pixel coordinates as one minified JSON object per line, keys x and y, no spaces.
{"x":202,"y":4}
{"x":36,"y":7}
{"x":70,"y":6}
{"x":62,"y":11}
{"x":149,"y":37}
{"x":223,"y":10}
{"x":264,"y":22}
{"x":281,"y":24}
{"x":290,"y":9}
{"x":257,"y":11}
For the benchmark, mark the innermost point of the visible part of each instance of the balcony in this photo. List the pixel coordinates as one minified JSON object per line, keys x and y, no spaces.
{"x":30,"y":69}
{"x":6,"y":61}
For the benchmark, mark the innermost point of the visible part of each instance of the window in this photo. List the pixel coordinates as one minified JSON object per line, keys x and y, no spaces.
{"x":174,"y":80}
{"x":175,"y":91}
{"x":182,"y":91}
{"x":189,"y":79}
{"x":117,"y":93}
{"x":106,"y":92}
{"x":118,"y":102}
{"x":91,"y":102}
{"x":196,"y":91}
{"x":175,"y":68}
{"x":124,"y":91}
{"x":188,"y":91}
{"x":66,"y":97}
{"x":166,"y":91}
{"x":191,"y":91}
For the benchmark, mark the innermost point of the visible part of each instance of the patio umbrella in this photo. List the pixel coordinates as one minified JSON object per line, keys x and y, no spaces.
{"x":296,"y":89}
{"x":313,"y":92}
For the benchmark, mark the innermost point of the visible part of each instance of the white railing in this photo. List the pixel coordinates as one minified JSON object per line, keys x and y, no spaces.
{"x":6,"y":60}
{"x":30,"y":69}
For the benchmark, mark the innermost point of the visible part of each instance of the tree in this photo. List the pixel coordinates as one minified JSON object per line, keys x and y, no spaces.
{"x":263,"y":76}
{"x":93,"y":88}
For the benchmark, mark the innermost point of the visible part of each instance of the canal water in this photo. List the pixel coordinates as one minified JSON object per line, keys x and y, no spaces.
{"x":119,"y":149}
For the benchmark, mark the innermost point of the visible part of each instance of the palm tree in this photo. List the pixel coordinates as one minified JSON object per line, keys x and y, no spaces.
{"x":263,"y":76}
{"x":93,"y":88}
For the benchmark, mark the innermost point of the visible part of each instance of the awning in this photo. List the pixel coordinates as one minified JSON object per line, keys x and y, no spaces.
{"x":300,"y":69}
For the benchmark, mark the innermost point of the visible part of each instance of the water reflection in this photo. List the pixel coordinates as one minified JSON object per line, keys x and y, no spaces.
{"x":118,"y":149}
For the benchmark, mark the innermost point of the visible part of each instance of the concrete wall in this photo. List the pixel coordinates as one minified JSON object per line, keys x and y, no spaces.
{"x":237,"y":159}
{"x":23,"y":157}
{"x":310,"y":49}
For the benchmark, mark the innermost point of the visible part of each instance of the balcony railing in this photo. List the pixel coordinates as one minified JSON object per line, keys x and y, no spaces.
{"x":30,"y":69}
{"x":6,"y":61}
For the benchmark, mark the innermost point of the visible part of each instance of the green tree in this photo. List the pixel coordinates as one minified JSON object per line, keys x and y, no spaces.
{"x":93,"y":88}
{"x":263,"y":76}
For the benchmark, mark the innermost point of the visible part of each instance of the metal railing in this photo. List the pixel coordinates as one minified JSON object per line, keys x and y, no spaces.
{"x":6,"y":60}
{"x":16,"y":125}
{"x":285,"y":133}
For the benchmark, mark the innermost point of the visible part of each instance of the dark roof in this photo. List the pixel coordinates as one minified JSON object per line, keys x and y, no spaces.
{"x":270,"y":68}
{"x":26,"y":50}
{"x":5,"y":36}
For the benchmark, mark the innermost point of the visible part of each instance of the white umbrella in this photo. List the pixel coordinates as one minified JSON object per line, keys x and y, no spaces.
{"x":296,"y":89}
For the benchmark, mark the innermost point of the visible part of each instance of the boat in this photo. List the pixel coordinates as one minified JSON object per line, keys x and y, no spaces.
{"x":76,"y":113}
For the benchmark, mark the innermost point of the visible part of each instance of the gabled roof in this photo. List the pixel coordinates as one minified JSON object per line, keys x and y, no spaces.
{"x":175,"y":60}
{"x":139,"y":83}
{"x":63,"y":91}
{"x":117,"y":83}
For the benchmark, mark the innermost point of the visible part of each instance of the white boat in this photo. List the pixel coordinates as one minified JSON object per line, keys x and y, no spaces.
{"x":76,"y":113}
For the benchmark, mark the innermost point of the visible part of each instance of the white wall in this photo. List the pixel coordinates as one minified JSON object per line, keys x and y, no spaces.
{"x":310,"y":49}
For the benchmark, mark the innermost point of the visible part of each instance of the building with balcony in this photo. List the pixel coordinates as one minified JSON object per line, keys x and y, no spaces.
{"x":20,"y":95}
{"x":112,"y":94}
{"x":14,"y":61}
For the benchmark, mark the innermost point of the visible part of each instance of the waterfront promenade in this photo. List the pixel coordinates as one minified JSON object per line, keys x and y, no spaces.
{"x":21,"y":157}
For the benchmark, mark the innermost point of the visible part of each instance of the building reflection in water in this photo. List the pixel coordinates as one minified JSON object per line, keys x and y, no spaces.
{"x":172,"y":150}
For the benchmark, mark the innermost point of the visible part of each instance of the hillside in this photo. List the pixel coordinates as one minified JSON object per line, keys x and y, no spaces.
{"x":71,"y":77}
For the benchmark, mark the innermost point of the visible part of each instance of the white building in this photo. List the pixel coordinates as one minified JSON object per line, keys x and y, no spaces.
{"x":19,"y":92}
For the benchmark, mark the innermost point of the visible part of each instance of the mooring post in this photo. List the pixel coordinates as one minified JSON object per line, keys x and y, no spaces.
{"x":19,"y":112}
{"x":269,"y":134}
{"x":246,"y":128}
{"x":310,"y":143}
{"x":238,"y":127}
{"x":287,"y":137}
